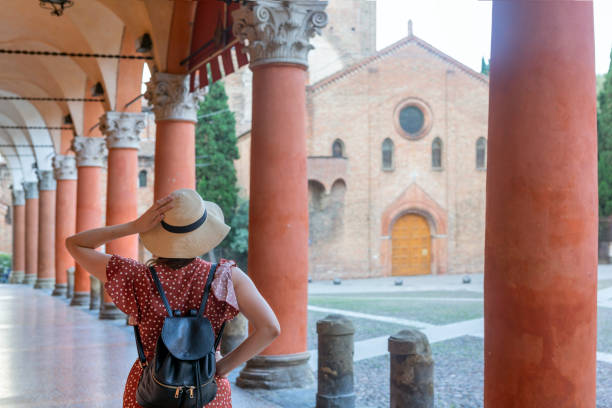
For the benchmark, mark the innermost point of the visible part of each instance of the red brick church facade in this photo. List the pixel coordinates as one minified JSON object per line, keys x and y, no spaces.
{"x":396,"y":168}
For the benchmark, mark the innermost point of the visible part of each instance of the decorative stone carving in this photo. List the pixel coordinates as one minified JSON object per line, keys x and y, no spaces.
{"x":31,"y":190}
{"x":170,"y":97}
{"x":122,"y":129}
{"x":64,"y":167}
{"x":279,"y":31}
{"x":47,"y":182}
{"x":18,"y":197}
{"x":90,"y":151}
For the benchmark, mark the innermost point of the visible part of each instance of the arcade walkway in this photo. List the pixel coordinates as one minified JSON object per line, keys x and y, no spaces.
{"x":53,"y":356}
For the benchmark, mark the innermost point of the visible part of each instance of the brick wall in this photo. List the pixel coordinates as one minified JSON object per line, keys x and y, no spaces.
{"x":351,"y":238}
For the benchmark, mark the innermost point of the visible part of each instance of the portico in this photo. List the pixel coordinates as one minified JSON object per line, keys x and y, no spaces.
{"x":541,"y":236}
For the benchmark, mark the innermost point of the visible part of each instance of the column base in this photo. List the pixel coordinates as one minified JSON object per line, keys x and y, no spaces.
{"x":60,"y":289}
{"x":29,"y":279}
{"x":17,"y":277}
{"x":236,"y":330}
{"x":108,"y":311}
{"x":336,"y":401}
{"x":80,"y":299}
{"x":274,"y":372}
{"x":94,"y":302}
{"x":94,"y":293}
{"x":44,"y":283}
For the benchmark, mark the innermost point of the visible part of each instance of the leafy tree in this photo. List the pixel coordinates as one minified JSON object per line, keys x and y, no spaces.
{"x":485,"y":66}
{"x":216,"y":151}
{"x":604,"y":145}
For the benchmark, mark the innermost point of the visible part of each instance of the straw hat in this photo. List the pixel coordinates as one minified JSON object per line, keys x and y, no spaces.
{"x":190,"y":229}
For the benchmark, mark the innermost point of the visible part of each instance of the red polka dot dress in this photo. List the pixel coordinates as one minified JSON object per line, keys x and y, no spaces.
{"x":131,"y":287}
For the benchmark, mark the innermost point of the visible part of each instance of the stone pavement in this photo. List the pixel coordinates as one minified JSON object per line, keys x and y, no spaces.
{"x":53,"y":355}
{"x":56,"y":356}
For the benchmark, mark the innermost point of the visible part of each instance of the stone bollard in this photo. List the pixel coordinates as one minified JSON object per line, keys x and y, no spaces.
{"x":411,"y":370}
{"x":236,"y":330}
{"x":70,"y":278}
{"x":336,"y":350}
{"x":94,"y":294}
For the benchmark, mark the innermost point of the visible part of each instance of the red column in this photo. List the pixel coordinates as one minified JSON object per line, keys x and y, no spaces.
{"x":31,"y":236}
{"x":65,"y":216}
{"x":46,"y":231}
{"x":278,"y":213}
{"x":175,"y":116}
{"x":18,"y":269}
{"x":122,"y":132}
{"x":90,"y":157}
{"x":541,"y":222}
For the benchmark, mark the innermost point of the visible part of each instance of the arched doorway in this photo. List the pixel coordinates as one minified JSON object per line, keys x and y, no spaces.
{"x":411,"y":246}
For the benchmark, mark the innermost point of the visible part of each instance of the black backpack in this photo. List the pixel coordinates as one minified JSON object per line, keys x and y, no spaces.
{"x":182,"y":372}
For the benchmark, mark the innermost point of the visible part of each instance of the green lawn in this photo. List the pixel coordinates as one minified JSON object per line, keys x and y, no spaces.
{"x":398,"y":305}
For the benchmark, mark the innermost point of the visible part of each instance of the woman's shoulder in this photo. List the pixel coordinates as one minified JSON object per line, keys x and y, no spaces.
{"x":118,"y":264}
{"x":223,"y":284}
{"x":121,"y":262}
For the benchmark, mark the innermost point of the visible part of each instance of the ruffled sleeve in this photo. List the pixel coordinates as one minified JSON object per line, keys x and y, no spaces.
{"x":222,"y":288}
{"x":121,"y":282}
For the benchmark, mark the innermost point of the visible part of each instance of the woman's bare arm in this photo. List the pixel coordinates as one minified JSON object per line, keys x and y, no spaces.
{"x":82,"y":246}
{"x":255,"y":308}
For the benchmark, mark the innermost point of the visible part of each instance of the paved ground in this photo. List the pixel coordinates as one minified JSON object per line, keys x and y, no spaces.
{"x":53,"y":355}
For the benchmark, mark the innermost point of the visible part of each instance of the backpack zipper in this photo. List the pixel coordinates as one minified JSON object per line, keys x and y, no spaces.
{"x":180,"y":388}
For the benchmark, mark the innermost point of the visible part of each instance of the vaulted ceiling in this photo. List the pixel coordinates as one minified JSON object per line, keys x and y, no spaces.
{"x":88,"y":27}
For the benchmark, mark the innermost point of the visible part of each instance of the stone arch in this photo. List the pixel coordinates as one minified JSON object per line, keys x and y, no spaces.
{"x":416,"y":201}
{"x":325,"y":210}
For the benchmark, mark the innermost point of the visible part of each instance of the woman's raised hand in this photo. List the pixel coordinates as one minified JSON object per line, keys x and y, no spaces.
{"x":153,"y":215}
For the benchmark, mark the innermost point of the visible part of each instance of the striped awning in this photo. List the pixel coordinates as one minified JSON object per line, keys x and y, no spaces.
{"x":215,"y":51}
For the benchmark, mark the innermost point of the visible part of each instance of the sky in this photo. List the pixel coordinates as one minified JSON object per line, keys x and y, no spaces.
{"x":462,"y":28}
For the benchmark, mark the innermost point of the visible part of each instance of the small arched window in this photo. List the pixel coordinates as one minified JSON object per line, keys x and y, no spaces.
{"x":338,"y":148}
{"x":387,"y":154}
{"x":436,"y":153}
{"x":481,"y":153}
{"x":142,"y":178}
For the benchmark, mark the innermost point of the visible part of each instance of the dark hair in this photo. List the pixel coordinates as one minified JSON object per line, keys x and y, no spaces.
{"x":173,"y":263}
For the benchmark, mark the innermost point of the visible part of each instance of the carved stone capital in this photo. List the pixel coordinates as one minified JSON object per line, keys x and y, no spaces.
{"x":122,"y":129}
{"x":18,"y":197}
{"x":47,"y":182}
{"x":31,"y":190}
{"x":277,"y":31}
{"x":90,"y":151}
{"x":64,"y":167}
{"x":170,"y":97}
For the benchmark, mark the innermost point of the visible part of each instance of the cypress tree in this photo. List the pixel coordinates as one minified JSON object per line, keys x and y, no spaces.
{"x":216,"y":180}
{"x":484,"y":66}
{"x":604,"y":145}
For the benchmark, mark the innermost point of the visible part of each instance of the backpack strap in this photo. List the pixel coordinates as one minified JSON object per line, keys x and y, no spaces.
{"x":141,"y":355}
{"x":160,"y":289}
{"x":209,"y":280}
{"x":139,"y":347}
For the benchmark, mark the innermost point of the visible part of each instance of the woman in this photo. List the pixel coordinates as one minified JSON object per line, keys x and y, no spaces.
{"x":177,"y":229}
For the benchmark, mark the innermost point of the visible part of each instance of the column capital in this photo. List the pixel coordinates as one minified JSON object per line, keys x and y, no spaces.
{"x":47,"y":182}
{"x":170,"y":97}
{"x":31,"y":190}
{"x":64,"y":167}
{"x":18,"y":197}
{"x":90,"y":151}
{"x":275,"y":31}
{"x":122,"y":129}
